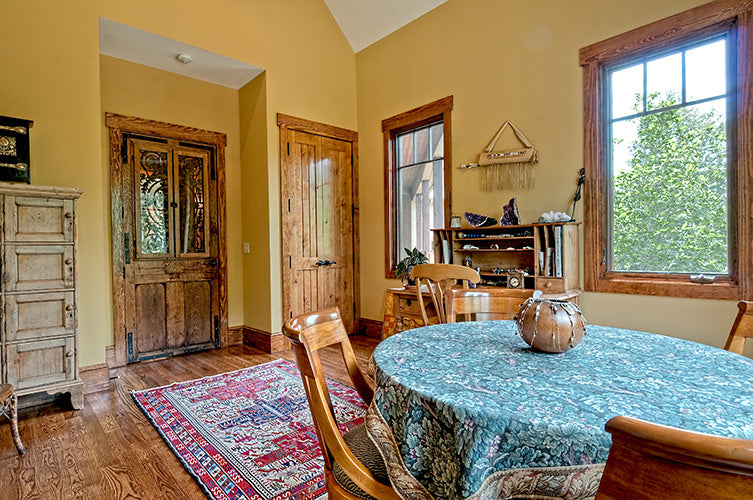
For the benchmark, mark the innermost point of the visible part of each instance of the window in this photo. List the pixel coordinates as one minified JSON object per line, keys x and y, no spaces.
{"x":666,"y":123}
{"x":417,"y":179}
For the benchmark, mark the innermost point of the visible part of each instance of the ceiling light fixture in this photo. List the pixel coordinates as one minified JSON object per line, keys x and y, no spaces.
{"x":184,"y":58}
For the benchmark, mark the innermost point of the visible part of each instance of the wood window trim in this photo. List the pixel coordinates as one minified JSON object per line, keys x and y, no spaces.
{"x":674,"y":30}
{"x":118,"y":125}
{"x":391,"y":127}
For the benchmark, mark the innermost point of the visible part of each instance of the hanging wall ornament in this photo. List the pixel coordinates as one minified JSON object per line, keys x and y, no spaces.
{"x":512,"y":168}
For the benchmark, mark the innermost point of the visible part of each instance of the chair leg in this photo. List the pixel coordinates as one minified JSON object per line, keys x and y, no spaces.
{"x":14,"y":424}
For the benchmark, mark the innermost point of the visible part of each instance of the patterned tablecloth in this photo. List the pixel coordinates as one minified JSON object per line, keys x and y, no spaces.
{"x":468,"y":410}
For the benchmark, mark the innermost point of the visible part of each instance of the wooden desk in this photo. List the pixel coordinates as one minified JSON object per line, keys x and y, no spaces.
{"x":402,"y":312}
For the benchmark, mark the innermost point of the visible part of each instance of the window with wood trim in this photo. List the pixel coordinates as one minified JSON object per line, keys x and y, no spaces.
{"x":668,"y":154}
{"x":418,"y":161}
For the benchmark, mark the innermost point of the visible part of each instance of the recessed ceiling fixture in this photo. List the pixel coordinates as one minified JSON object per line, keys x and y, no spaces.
{"x":184,"y":58}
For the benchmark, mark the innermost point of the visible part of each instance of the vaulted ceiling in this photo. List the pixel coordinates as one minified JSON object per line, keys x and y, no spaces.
{"x":363,"y":22}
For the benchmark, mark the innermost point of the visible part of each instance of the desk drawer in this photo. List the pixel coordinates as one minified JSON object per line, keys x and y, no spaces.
{"x":38,"y":267}
{"x":32,"y":364}
{"x":33,"y":316}
{"x":30,"y":218}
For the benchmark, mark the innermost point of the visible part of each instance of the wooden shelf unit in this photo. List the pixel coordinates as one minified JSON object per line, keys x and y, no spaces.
{"x":547,"y":253}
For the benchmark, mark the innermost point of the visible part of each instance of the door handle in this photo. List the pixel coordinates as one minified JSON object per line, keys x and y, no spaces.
{"x":212,"y":262}
{"x":325,"y":262}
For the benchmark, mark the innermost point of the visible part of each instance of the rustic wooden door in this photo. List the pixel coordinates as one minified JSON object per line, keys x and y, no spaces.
{"x":318,"y":225}
{"x":171,"y":249}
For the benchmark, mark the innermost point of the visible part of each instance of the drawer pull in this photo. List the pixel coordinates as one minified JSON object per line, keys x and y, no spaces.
{"x":69,"y":354}
{"x":68,"y":215}
{"x":69,"y":307}
{"x":69,"y":261}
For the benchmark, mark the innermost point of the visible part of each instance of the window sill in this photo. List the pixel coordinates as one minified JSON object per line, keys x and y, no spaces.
{"x":676,"y":286}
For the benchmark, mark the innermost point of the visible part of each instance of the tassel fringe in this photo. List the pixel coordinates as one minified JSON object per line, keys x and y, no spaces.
{"x":508,"y":175}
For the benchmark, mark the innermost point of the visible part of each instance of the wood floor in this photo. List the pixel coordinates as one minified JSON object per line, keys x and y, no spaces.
{"x":109,"y":450}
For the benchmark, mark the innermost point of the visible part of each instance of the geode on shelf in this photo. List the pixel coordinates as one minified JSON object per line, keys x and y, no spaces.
{"x":478,"y":220}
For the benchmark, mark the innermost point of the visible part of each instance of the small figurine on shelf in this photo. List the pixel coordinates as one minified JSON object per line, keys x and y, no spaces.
{"x":510,"y":214}
{"x":467,"y":261}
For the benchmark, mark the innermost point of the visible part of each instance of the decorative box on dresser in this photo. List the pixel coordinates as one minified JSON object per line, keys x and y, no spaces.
{"x":38,"y":292}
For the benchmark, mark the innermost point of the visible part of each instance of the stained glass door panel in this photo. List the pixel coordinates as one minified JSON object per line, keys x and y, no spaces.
{"x":153,"y":184}
{"x":191,"y":194}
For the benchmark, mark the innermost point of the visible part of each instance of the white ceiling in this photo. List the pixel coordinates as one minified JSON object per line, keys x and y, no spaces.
{"x":363,"y":22}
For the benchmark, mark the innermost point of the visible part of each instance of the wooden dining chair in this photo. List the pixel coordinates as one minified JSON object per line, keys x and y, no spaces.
{"x":650,"y":462}
{"x":353,"y":467}
{"x":487,"y":303}
{"x":742,"y":328}
{"x":439,"y":278}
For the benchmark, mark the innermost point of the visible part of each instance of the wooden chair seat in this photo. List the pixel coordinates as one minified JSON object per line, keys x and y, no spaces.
{"x":655,"y":462}
{"x":439,"y":278}
{"x":353,"y":468}
{"x":364,"y":450}
{"x":9,"y":408}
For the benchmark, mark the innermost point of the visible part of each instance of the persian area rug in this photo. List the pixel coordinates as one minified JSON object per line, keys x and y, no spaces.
{"x":248,"y":434}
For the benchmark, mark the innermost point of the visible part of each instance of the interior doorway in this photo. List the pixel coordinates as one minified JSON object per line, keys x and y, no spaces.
{"x":319,"y":188}
{"x":168,"y":234}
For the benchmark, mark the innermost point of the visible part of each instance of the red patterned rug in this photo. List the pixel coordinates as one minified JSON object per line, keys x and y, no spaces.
{"x":248,"y":434}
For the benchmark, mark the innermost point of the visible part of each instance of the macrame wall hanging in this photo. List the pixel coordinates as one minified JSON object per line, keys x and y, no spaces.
{"x":512,"y":168}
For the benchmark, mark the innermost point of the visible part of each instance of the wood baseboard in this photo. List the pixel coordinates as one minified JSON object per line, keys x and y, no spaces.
{"x":96,"y":378}
{"x":371,"y":328}
{"x":235,"y":335}
{"x":265,"y":341}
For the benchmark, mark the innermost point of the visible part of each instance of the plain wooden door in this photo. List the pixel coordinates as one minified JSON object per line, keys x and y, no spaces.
{"x":171,"y":249}
{"x":318,"y":236}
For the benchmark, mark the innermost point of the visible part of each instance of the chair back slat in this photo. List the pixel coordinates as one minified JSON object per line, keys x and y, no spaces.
{"x":439,"y":278}
{"x":742,"y":328}
{"x":651,"y":461}
{"x":486,"y":303}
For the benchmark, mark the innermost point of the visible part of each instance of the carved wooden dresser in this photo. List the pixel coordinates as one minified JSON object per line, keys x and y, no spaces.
{"x":38,"y":292}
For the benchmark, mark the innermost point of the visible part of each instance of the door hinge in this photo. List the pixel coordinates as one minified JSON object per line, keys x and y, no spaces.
{"x":124,"y":151}
{"x":216,"y":330}
{"x":213,"y":171}
{"x":129,"y":343}
{"x":127,"y":247}
{"x":604,"y":257}
{"x":290,"y":261}
{"x":288,"y":149}
{"x":288,"y":204}
{"x":123,"y":272}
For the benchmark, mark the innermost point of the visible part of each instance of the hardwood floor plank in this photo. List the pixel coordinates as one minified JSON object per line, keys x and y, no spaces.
{"x":110,"y":450}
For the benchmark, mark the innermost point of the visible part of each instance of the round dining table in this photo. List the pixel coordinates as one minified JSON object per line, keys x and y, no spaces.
{"x":469,"y":410}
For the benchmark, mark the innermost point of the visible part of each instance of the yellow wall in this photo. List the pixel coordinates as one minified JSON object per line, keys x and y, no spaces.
{"x":51,"y":74}
{"x":502,"y":61}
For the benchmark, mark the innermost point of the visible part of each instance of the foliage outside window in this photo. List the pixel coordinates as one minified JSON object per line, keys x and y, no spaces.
{"x":665,"y":117}
{"x":417,"y":179}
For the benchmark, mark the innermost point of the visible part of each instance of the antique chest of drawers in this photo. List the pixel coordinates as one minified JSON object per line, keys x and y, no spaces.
{"x":38,"y":292}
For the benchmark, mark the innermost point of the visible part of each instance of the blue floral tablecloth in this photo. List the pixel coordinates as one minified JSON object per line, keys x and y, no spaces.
{"x":463,"y":405}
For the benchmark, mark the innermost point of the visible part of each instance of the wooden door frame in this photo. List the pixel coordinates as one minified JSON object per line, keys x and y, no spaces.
{"x":342,"y":134}
{"x":119,"y":125}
